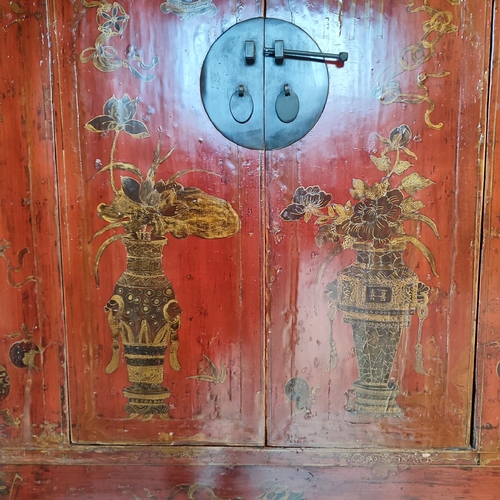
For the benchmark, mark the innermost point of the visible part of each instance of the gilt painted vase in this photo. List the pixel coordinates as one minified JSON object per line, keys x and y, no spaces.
{"x":377,"y":295}
{"x":143,"y":312}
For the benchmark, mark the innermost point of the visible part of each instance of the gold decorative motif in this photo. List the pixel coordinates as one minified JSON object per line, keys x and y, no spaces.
{"x":196,"y":491}
{"x":373,"y":459}
{"x":20,"y":13}
{"x":4,"y":246}
{"x":188,"y":9}
{"x":112,"y":20}
{"x":11,"y":490}
{"x":388,"y":89}
{"x":215,"y":376}
{"x":274,"y":490}
{"x":49,"y":435}
{"x":297,"y":390}
{"x":378,"y":293}
{"x":23,"y":353}
{"x":8,"y":419}
{"x":191,"y":491}
{"x":4,"y":382}
{"x":143,"y":311}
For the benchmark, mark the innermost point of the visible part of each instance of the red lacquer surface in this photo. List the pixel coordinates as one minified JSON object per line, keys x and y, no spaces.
{"x":253,"y":303}
{"x":217,"y":282}
{"x":30,"y":305}
{"x":377,"y":90}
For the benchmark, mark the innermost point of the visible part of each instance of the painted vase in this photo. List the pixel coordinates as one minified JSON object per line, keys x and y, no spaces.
{"x":143,"y":312}
{"x":377,"y":294}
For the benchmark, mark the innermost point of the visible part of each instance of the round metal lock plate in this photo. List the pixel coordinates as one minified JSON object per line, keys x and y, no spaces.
{"x":246,"y":56}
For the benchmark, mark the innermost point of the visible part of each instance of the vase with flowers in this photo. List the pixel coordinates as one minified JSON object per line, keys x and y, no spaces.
{"x":143,"y":312}
{"x":378,"y":293}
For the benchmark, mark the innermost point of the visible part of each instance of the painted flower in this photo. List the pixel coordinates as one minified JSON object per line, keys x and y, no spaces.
{"x":399,"y":138}
{"x":374,"y":220}
{"x":112,"y":20}
{"x":305,"y":203}
{"x":118,"y":115}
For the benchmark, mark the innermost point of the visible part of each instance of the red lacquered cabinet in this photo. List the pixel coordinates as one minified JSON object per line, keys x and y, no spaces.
{"x":185,"y":316}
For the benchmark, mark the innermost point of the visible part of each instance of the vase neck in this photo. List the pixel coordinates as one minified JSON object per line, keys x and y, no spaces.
{"x":379,"y":257}
{"x":144,"y":256}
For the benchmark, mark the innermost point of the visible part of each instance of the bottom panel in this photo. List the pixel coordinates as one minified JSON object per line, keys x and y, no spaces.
{"x":133,"y":482}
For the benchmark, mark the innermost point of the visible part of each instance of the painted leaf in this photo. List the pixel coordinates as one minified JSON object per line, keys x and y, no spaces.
{"x":415,"y":182}
{"x":344,"y":212}
{"x":410,"y":153}
{"x":101,"y":123}
{"x":410,"y":206}
{"x":383,"y":163}
{"x":359,"y":189}
{"x":426,"y":220}
{"x":320,"y":221}
{"x":131,"y":188}
{"x":378,"y":190}
{"x":119,"y":165}
{"x":401,"y":167}
{"x":100,"y":251}
{"x":383,"y":140}
{"x":427,"y":253}
{"x":136,"y":129}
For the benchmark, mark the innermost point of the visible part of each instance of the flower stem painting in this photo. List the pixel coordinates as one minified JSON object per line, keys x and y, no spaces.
{"x":378,"y":293}
{"x":143,"y":312}
{"x":112,"y":20}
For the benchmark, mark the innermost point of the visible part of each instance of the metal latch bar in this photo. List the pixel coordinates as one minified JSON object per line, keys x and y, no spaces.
{"x":279,"y":53}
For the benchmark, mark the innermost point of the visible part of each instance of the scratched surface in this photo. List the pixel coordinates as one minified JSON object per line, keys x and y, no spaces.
{"x":406,"y":94}
{"x":137,"y":90}
{"x":30,"y":305}
{"x":139,"y":482}
{"x":410,"y":100}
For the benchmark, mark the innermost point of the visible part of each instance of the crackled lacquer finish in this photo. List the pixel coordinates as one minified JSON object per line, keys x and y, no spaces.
{"x":30,"y":305}
{"x":155,"y":278}
{"x":162,"y":235}
{"x":373,"y":238}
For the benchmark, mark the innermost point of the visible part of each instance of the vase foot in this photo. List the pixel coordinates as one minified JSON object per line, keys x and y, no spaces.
{"x":146,"y":403}
{"x":376,"y":400}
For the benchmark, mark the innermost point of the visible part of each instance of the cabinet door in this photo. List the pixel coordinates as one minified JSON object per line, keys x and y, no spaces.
{"x":30,"y":337}
{"x":162,"y":239}
{"x":373,"y":232}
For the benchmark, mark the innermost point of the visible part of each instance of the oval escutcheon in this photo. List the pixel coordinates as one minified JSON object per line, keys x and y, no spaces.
{"x":241,"y":106}
{"x":287,"y":105}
